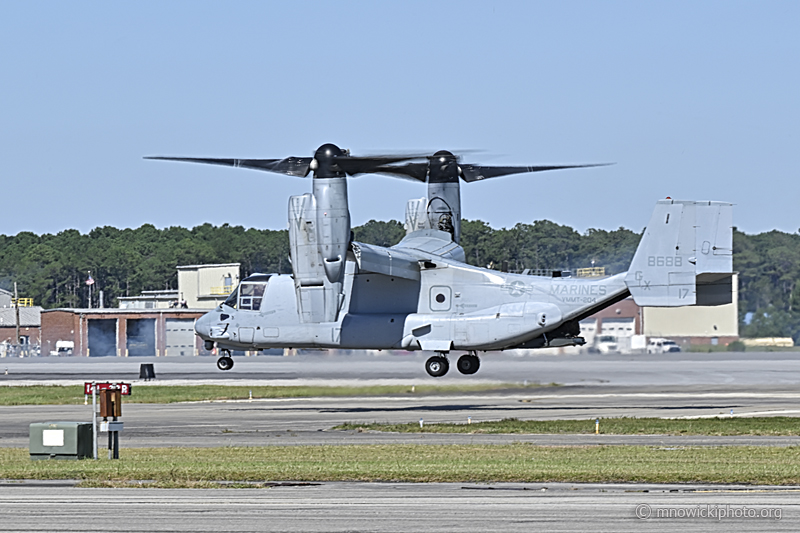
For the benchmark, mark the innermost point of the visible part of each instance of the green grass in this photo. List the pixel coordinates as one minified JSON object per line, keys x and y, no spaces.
{"x":775,"y":426}
{"x":202,"y":467}
{"x":71,"y":395}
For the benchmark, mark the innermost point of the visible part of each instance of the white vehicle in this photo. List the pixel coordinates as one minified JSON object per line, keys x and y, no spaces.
{"x":63,"y":348}
{"x":662,"y":346}
{"x":606,"y":344}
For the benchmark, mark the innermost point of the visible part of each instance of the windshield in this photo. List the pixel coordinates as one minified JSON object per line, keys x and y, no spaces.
{"x":669,"y":343}
{"x":608,"y":339}
{"x":233,"y":298}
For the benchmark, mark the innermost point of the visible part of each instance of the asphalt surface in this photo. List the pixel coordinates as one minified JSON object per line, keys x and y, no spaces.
{"x":309,"y":420}
{"x":592,"y":386}
{"x":379,"y":507}
{"x":727,"y":369}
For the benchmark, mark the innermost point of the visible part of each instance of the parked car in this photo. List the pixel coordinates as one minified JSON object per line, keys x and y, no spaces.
{"x":63,"y":348}
{"x":605,"y":344}
{"x":662,"y":346}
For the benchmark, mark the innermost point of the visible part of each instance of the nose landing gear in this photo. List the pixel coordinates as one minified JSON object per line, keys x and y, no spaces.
{"x":225,"y":362}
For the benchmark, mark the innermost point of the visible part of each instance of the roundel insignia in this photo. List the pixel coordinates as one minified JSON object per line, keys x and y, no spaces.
{"x":516,"y":288}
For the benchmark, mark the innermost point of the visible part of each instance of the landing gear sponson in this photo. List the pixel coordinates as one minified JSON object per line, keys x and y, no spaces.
{"x":438,"y":365}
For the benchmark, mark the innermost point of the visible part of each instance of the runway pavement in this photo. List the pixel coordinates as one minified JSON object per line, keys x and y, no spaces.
{"x":384,"y":507}
{"x":726,"y":369}
{"x":594,"y":386}
{"x":309,"y":420}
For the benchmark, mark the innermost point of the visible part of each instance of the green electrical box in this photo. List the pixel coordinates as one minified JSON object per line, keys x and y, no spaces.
{"x":61,"y":440}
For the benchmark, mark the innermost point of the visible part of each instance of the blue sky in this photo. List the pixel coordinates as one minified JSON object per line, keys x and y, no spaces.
{"x":693,"y":100}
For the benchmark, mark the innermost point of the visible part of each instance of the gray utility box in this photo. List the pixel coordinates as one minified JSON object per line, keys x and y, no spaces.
{"x":61,"y":440}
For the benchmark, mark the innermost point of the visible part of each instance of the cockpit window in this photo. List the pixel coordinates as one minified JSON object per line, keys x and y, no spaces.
{"x":233,"y":299}
{"x":251,"y":295}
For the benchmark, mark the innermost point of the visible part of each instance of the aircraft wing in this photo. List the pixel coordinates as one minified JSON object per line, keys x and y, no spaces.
{"x":387,"y":261}
{"x":403,"y":260}
{"x":431,"y":242}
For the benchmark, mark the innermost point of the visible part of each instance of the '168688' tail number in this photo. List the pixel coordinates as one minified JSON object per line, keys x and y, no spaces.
{"x":664,"y":260}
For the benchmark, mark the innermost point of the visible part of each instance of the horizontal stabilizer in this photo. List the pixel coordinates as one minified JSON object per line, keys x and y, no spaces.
{"x":685,"y":256}
{"x":714,"y":289}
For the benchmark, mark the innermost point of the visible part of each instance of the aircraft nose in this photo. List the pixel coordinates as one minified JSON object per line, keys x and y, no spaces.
{"x":203,"y":326}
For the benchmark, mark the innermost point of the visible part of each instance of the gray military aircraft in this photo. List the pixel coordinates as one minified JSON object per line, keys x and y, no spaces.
{"x":421,"y":294}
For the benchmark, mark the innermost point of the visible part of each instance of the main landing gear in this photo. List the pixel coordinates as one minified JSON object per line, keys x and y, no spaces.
{"x":225,"y":362}
{"x":438,"y":365}
{"x":468,"y":364}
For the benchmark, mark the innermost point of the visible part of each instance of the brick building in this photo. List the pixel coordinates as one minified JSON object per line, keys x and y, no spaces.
{"x":29,"y":325}
{"x":123,"y":332}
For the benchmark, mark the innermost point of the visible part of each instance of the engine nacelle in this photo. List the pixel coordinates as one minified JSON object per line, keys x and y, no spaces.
{"x":333,"y":225}
{"x":318,"y":297}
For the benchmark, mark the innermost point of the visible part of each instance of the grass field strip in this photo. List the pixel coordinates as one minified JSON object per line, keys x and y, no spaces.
{"x":418,"y":463}
{"x":750,"y":414}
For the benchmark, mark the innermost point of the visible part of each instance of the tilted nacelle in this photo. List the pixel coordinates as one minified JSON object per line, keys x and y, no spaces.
{"x":319,"y":234}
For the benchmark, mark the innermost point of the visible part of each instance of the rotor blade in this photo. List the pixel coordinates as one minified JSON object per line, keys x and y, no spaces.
{"x":414,"y":171}
{"x":292,"y":166}
{"x":368,"y":164}
{"x":470,"y":173}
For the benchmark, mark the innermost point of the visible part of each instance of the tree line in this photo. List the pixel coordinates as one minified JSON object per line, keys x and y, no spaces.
{"x":53,"y":269}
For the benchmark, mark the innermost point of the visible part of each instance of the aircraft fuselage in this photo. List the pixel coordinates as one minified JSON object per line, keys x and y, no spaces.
{"x":452,"y":306}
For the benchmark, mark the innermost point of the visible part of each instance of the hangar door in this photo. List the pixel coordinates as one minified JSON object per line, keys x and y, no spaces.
{"x":141,"y":337}
{"x":102,"y":336}
{"x":180,"y":336}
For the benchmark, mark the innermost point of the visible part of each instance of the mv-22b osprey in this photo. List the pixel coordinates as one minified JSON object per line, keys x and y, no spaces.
{"x":422,"y":295}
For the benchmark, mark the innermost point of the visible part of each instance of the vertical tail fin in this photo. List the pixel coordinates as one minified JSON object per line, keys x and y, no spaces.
{"x":685,"y":256}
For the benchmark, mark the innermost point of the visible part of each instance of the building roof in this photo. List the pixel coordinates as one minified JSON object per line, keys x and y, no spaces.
{"x":28,"y":317}
{"x":149,"y":296}
{"x":169,"y":292}
{"x":128,"y":311}
{"x":209,"y":266}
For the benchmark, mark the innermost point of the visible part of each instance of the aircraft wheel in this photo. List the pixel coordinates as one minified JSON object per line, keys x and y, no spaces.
{"x":437,"y":366}
{"x":225,"y":363}
{"x":468,"y":364}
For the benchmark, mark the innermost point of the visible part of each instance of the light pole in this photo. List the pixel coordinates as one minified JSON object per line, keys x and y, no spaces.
{"x":90,"y":282}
